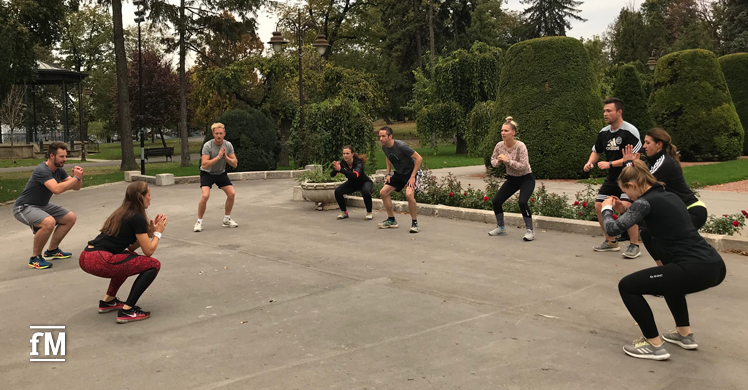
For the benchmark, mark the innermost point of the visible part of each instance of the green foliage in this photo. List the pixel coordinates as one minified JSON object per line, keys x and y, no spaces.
{"x":726,"y":224}
{"x":350,"y":84}
{"x":468,"y":77}
{"x":479,"y":122}
{"x":328,"y":126}
{"x":319,"y":175}
{"x":254,"y":139}
{"x":735,"y":69}
{"x":547,"y":85}
{"x":691,"y":101}
{"x":628,"y":86}
{"x":441,"y":119}
{"x":551,"y":17}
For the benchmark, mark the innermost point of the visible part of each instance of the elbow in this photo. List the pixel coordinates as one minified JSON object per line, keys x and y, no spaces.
{"x":149,"y":253}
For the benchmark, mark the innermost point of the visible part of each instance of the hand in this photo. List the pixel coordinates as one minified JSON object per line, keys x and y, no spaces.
{"x":222,"y":152}
{"x":336,"y":165}
{"x":628,"y":153}
{"x":412,"y":183}
{"x":78,"y":172}
{"x":609,"y":201}
{"x":501,"y":158}
{"x":160,"y":223}
{"x":588,"y":166}
{"x":387,"y":179}
{"x":603,"y":165}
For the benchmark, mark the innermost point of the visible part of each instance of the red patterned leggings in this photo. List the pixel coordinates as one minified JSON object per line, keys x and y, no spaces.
{"x":118,"y":267}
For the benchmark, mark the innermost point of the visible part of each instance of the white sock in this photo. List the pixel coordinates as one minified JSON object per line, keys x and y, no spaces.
{"x":200,"y":220}
{"x":226,"y":217}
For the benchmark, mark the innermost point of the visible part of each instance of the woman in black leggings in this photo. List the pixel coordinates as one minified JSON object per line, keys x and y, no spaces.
{"x":664,"y":164}
{"x":513,"y":154}
{"x":690,"y":264}
{"x":352,"y":166}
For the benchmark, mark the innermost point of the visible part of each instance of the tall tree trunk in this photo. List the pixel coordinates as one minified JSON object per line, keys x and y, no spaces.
{"x":161,"y":133}
{"x":432,"y":45}
{"x":285,"y":131}
{"x":461,"y":145}
{"x":183,"y":130}
{"x":419,"y":49}
{"x":123,"y":98}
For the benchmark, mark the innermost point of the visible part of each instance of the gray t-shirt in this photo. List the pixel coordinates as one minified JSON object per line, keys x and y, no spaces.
{"x":35,"y":192}
{"x":211,"y":150}
{"x":399,"y":156}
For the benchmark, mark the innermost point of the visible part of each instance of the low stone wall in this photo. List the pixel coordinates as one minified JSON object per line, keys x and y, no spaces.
{"x":17,"y":151}
{"x":167,"y":179}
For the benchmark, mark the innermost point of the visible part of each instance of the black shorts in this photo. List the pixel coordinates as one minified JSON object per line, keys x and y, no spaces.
{"x":610,"y":188}
{"x":399,"y":181}
{"x":207,"y":180}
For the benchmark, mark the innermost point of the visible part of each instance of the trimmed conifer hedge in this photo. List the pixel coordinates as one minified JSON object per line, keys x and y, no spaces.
{"x":735,"y":69}
{"x":254,"y":138}
{"x":690,"y":100}
{"x":628,"y":86}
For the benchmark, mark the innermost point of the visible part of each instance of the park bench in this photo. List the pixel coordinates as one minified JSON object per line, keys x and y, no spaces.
{"x":152,"y":152}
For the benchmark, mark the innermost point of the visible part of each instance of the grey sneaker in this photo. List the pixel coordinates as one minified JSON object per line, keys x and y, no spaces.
{"x":386,"y":224}
{"x":529,"y":235}
{"x":685,"y":342}
{"x":499,"y":231}
{"x":230,"y":223}
{"x":643,"y":349}
{"x":607,"y":246}
{"x":343,"y":215}
{"x":632,"y":252}
{"x":414,"y":227}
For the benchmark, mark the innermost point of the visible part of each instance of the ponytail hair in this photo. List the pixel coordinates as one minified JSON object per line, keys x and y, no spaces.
{"x":659,"y":135}
{"x":510,"y":121}
{"x":360,"y":157}
{"x":638,"y":173}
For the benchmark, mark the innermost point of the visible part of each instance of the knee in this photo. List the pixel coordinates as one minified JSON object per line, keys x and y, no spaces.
{"x":70,"y":218}
{"x":204,"y":198}
{"x":231,"y":195}
{"x":523,"y":205}
{"x":47,"y":223}
{"x":384,"y":193}
{"x":598,"y":207}
{"x":410,"y":194}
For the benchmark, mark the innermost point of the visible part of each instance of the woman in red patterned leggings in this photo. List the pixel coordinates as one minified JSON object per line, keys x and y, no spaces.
{"x":112,"y":254}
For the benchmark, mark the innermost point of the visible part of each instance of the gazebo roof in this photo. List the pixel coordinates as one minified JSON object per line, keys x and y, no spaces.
{"x":49,"y":74}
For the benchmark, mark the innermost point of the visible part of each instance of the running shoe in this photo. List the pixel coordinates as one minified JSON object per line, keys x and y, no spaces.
{"x":106,"y":307}
{"x":343,"y":215}
{"x":369,"y":216}
{"x":643,"y":349}
{"x":414,"y":227}
{"x":56,"y":254}
{"x":499,"y":231}
{"x":388,"y":223}
{"x":198,"y":227}
{"x":607,"y":246}
{"x":38,"y":262}
{"x":685,"y":342}
{"x":529,"y":235}
{"x":134,"y":314}
{"x":632,"y":252}
{"x":229,"y":223}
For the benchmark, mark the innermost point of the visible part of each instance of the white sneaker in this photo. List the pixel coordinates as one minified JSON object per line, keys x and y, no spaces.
{"x":369,"y":216}
{"x":499,"y":231}
{"x":198,"y":227}
{"x":529,"y":235}
{"x":230,"y":223}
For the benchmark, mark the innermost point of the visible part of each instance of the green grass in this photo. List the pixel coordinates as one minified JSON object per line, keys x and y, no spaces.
{"x":114,"y":151}
{"x":445,"y":157}
{"x":20,"y":162}
{"x":706,"y":175}
{"x":402,"y":130}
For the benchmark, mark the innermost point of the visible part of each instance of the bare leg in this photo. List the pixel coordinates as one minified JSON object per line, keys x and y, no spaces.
{"x":598,"y":211}
{"x":64,"y":225}
{"x":386,"y":200}
{"x":410,"y":195}
{"x":46,"y":227}
{"x":203,"y":202}
{"x":230,"y":195}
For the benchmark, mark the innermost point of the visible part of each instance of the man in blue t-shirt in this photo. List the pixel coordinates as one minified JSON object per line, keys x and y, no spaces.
{"x":46,"y":219}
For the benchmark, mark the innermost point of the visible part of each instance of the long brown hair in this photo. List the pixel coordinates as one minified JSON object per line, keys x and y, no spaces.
{"x":361,"y":157}
{"x":131,"y":205}
{"x":659,"y":135}
{"x":638,"y":173}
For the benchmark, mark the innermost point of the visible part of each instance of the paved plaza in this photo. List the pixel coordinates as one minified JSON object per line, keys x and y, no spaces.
{"x":294,"y":299}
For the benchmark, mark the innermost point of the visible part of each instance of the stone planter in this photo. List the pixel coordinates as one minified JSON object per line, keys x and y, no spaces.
{"x":322,"y":194}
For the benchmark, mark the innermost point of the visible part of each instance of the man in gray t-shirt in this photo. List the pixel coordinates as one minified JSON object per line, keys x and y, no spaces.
{"x":32,"y":208}
{"x":215,"y":155}
{"x":407,"y":163}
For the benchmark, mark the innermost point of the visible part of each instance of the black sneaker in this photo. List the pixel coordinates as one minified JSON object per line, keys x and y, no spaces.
{"x":134,"y":314}
{"x":114,"y":304}
{"x":414,"y":227}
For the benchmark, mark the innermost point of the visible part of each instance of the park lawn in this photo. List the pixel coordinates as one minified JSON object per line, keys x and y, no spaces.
{"x":19,"y":162}
{"x":401,"y":130}
{"x":113,"y":151}
{"x":444,"y":157}
{"x":707,"y":175}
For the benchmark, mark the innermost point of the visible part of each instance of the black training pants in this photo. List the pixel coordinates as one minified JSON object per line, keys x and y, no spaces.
{"x":524,"y":184}
{"x":348,"y":188}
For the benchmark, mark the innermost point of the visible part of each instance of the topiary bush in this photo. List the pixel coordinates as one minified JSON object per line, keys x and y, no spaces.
{"x":629,"y":87}
{"x":445,"y":120}
{"x":328,"y":126}
{"x":477,"y":126}
{"x":254,"y":138}
{"x":690,"y":100}
{"x":735,"y":69}
{"x":548,"y":86}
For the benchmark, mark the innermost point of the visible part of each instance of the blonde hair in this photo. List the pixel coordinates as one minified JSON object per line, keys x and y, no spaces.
{"x":217,"y":125}
{"x":510,"y":121}
{"x":637,"y":173}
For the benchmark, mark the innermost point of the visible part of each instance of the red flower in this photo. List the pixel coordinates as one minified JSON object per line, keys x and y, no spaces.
{"x":465,"y":193}
{"x":451,"y":194}
{"x":532,"y":199}
{"x":744,"y":212}
{"x":724,"y":215}
{"x":615,"y":217}
{"x":485,"y":198}
{"x":584,"y":204}
{"x":576,"y":203}
{"x":735,"y":223}
{"x":468,"y":184}
{"x":580,"y":213}
{"x":372,"y":191}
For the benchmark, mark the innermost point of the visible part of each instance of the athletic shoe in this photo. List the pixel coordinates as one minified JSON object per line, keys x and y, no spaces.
{"x":643,"y":349}
{"x":230,"y":223}
{"x":38,"y":262}
{"x":387,"y":223}
{"x":529,"y":235}
{"x":369,"y":216}
{"x":198,"y":227}
{"x":685,"y":342}
{"x":632,"y":252}
{"x":56,"y":254}
{"x":499,"y":231}
{"x":623,"y":237}
{"x":414,"y":227}
{"x":343,"y":216}
{"x":106,"y":307}
{"x":607,"y":246}
{"x":134,"y":314}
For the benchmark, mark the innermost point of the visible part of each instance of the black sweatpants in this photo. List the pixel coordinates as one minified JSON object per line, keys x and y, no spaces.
{"x":673,"y":281}
{"x":698,"y":218}
{"x":524,"y":184}
{"x":348,"y":188}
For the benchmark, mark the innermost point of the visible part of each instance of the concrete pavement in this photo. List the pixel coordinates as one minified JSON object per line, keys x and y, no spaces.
{"x":294,"y":299}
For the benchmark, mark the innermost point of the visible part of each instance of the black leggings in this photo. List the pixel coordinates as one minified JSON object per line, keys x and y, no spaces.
{"x":698,"y":218}
{"x":673,"y":281}
{"x":524,"y":184}
{"x":348,"y":188}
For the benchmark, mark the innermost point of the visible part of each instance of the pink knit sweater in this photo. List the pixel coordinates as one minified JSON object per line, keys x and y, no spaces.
{"x":517,"y":163}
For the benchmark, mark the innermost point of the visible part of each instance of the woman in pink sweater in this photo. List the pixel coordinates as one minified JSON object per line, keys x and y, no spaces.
{"x":519,"y":177}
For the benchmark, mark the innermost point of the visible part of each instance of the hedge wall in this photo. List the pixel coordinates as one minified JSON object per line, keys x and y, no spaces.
{"x":548,"y":86}
{"x":477,"y":126}
{"x":628,"y":86}
{"x":254,"y":138}
{"x":735,"y":69}
{"x":690,"y":100}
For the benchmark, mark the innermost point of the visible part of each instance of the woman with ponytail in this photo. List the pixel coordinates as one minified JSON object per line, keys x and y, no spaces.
{"x":352,"y":166}
{"x":691,"y":264}
{"x":664,"y":164}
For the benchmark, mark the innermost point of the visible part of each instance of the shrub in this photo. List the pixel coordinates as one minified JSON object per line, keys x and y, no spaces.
{"x":726,"y":224}
{"x":445,"y":120}
{"x":478,"y":123}
{"x":691,"y":101}
{"x":548,"y":86}
{"x":321,"y":175}
{"x":735,"y":69}
{"x":254,"y":138}
{"x":628,"y":86}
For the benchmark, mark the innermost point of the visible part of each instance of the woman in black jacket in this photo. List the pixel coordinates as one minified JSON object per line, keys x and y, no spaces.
{"x":664,"y":164}
{"x":691,"y":264}
{"x":352,"y":166}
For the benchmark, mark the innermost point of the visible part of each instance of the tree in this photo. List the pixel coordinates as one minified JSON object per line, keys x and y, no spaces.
{"x":627,"y":37}
{"x":254,"y":139}
{"x":11,"y":111}
{"x":692,"y":102}
{"x":734,"y":25}
{"x":123,"y":97}
{"x":735,"y":69}
{"x":551,"y":17}
{"x":628,"y":86}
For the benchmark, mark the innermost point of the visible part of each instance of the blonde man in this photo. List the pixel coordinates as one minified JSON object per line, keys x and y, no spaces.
{"x":215,"y":155}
